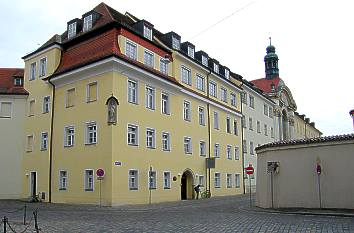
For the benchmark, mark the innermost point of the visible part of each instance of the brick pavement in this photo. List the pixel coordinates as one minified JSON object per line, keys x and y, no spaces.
{"x":221,"y":214}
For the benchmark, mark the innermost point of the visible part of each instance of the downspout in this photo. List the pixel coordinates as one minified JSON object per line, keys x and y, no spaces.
{"x":243,"y":154}
{"x":209,"y":131}
{"x":51,"y":142}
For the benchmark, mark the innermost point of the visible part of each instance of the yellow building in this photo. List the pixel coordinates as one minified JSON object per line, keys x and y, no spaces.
{"x":304,"y":128}
{"x":114,"y":93}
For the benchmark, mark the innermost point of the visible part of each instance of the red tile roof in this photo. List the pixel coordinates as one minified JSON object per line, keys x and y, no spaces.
{"x":7,"y":86}
{"x":266,"y":84}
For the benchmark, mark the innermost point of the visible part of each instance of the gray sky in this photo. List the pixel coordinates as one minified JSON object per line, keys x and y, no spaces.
{"x":314,"y":41}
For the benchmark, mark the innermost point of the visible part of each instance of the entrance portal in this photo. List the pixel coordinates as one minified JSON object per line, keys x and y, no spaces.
{"x":33,"y":184}
{"x":187,"y":185}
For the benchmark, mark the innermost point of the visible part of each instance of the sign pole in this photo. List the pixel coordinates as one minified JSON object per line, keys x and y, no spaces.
{"x":100,"y":193}
{"x":319,"y":190}
{"x":271,"y":188}
{"x":249,"y":177}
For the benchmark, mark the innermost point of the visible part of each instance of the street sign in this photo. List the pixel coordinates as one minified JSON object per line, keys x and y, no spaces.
{"x":100,"y":172}
{"x":318,"y":169}
{"x":249,"y":170}
{"x":117,"y":163}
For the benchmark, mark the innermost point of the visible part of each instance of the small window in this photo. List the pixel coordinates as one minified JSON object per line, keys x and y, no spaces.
{"x":229,"y":180}
{"x":201,"y":180}
{"x":89,"y":179}
{"x":250,"y":123}
{"x":212,"y":89}
{"x":29,"y":144}
{"x":149,"y":58}
{"x":186,"y":76}
{"x":70,"y":98}
{"x":46,"y":104}
{"x":227,"y":74}
{"x":87,"y":23}
{"x":131,"y":50}
{"x":191,"y":52}
{"x":31,"y":108}
{"x":229,"y":152}
{"x":271,"y":114}
{"x":63,"y":180}
{"x":258,"y":127}
{"x":228,"y":125}
{"x":91,"y":133}
{"x":91,"y":92}
{"x":187,"y":111}
{"x":217,"y":178}
{"x":18,"y":81}
{"x":166,"y":143}
{"x":164,"y":65}
{"x":201,"y":115}
{"x":132,"y":91}
{"x":223,"y":93}
{"x":187,"y":145}
{"x":167,"y":180}
{"x":204,"y":60}
{"x":133,"y":179}
{"x":216,"y":68}
{"x":244,"y":146}
{"x":42,"y":67}
{"x":233,"y":99}
{"x":69,"y":137}
{"x":5,"y":109}
{"x":165,"y":103}
{"x":200,"y":83}
{"x":272,"y":132}
{"x":44,"y":141}
{"x":152,"y":179}
{"x":132,"y":135}
{"x":217,"y":150}
{"x":251,"y":101}
{"x":265,"y":130}
{"x":176,"y":44}
{"x":251,"y":148}
{"x":202,"y":148}
{"x":216,"y":120}
{"x":265,"y":110}
{"x":237,"y":153}
{"x":150,"y":98}
{"x":150,"y":138}
{"x":244,"y":97}
{"x":237,"y":180}
{"x":32,"y":75}
{"x":235,"y":127}
{"x":147,"y":32}
{"x":71,"y":30}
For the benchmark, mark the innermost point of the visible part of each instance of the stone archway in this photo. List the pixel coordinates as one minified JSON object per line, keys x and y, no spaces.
{"x":187,"y":182}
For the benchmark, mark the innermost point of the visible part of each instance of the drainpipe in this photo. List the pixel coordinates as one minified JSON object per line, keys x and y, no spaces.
{"x":51,"y":142}
{"x":209,"y":131}
{"x":243,"y":154}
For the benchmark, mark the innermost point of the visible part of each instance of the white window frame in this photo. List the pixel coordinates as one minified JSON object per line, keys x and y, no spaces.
{"x":87,"y":25}
{"x":233,"y":99}
{"x":186,"y":110}
{"x":44,"y":141}
{"x":150,"y":97}
{"x":42,"y":66}
{"x":190,"y":51}
{"x":164,"y":66}
{"x":227,"y":74}
{"x":237,"y":153}
{"x":176,"y":43}
{"x":166,"y":141}
{"x":150,"y":138}
{"x":216,"y":68}
{"x":135,"y":185}
{"x":165,"y":103}
{"x":63,"y":185}
{"x":87,"y":187}
{"x":265,"y":109}
{"x":131,"y":49}
{"x":244,"y":97}
{"x":217,"y":180}
{"x":204,"y":60}
{"x":149,"y":58}
{"x":152,"y":179}
{"x":147,"y":32}
{"x":187,"y":145}
{"x":2,"y":115}
{"x":251,"y":101}
{"x":136,"y":135}
{"x":32,"y":73}
{"x":228,"y":125}
{"x":167,"y":180}
{"x":72,"y":30}
{"x":88,"y":97}
{"x":223,"y":94}
{"x":201,"y":115}
{"x":88,"y":132}
{"x":228,"y":180}
{"x":186,"y":75}
{"x":132,"y":91}
{"x":202,"y":148}
{"x":201,"y":180}
{"x":200,"y":82}
{"x":213,"y":89}
{"x":68,"y":134}
{"x":229,"y":152}
{"x":237,"y":180}
{"x":217,"y":150}
{"x":235,"y":127}
{"x":46,"y":104}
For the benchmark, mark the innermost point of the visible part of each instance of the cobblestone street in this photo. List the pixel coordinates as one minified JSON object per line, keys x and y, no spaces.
{"x":222,"y":214}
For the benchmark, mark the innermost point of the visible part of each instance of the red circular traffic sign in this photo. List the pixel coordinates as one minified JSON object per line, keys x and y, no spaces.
{"x":249,"y":170}
{"x":100,"y":172}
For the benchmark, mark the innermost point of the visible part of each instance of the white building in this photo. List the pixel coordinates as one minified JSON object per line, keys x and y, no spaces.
{"x":12,"y":112}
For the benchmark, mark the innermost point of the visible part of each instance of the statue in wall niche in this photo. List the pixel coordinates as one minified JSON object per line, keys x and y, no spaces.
{"x":112,"y":107}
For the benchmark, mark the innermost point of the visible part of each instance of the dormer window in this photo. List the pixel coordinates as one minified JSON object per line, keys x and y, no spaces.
{"x":216,"y":68}
{"x":227,"y":74}
{"x":176,"y":43}
{"x":147,"y":32}
{"x":204,"y":60}
{"x":87,"y":23}
{"x":191,"y":52}
{"x":18,"y":81}
{"x":72,"y":30}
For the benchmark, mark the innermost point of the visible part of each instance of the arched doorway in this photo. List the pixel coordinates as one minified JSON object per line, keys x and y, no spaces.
{"x":285,"y":124}
{"x":187,"y":185}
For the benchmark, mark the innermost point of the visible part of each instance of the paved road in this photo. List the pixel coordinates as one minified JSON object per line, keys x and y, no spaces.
{"x":222,"y":214}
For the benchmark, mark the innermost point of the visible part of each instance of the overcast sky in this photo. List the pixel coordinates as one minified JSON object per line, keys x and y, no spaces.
{"x":314,"y":41}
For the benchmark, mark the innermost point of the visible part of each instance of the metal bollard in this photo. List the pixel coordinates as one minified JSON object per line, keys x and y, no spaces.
{"x":35,"y":221}
{"x":4,"y":221}
{"x":24,"y":215}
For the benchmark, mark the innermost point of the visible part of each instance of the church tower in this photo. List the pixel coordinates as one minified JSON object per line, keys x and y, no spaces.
{"x":271,"y":62}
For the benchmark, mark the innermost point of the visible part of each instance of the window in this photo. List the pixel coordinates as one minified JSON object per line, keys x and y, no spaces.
{"x":228,"y":125}
{"x":237,"y":180}
{"x":216,"y":120}
{"x":152,"y":179}
{"x":46,"y":104}
{"x":200,"y":83}
{"x":69,"y":137}
{"x":186,"y":75}
{"x":63,"y":180}
{"x":132,"y":135}
{"x":202,"y":148}
{"x":244,"y":97}
{"x":191,"y":52}
{"x":216,"y":68}
{"x":167,"y":180}
{"x":272,"y":132}
{"x":187,"y":145}
{"x":237,"y":153}
{"x":150,"y":97}
{"x":131,"y":50}
{"x":251,"y":148}
{"x":243,"y":122}
{"x":29,"y":144}
{"x":166,"y":144}
{"x":265,"y":130}
{"x":271,"y":112}
{"x":148,"y":58}
{"x":133,"y":179}
{"x":165,"y":103}
{"x":72,"y":30}
{"x":91,"y":92}
{"x":235,"y":127}
{"x":251,"y":101}
{"x":44,"y":141}
{"x":32,"y":71}
{"x":18,"y":82}
{"x":186,"y":111}
{"x":217,"y":178}
{"x":42,"y":67}
{"x":229,"y":152}
{"x":150,"y":138}
{"x":201,"y":180}
{"x":250,"y":125}
{"x":212,"y":89}
{"x":217,"y":150}
{"x":265,"y":110}
{"x":201,"y":114}
{"x":132,"y":92}
{"x":175,"y":43}
{"x":164,"y":66}
{"x":229,"y":180}
{"x":233,"y":99}
{"x":223,"y":93}
{"x":31,"y":108}
{"x":70,"y":98}
{"x":147,"y":32}
{"x":227,"y":74}
{"x":244,"y":146}
{"x":5,"y":109}
{"x":89,"y":180}
{"x":91,"y":133}
{"x":204,"y":60}
{"x":87,"y":23}
{"x":258,"y":127}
